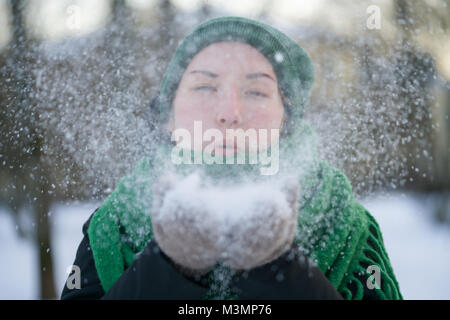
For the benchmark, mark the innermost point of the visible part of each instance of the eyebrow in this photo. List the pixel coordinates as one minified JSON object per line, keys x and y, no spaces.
{"x":206,"y":73}
{"x":248,"y":76}
{"x":259,"y":75}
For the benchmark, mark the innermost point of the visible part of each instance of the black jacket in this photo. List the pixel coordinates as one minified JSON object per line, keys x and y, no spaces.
{"x":153,"y":275}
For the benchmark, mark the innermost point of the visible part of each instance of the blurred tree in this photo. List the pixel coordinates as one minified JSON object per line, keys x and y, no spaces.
{"x":22,"y":143}
{"x":428,"y":98}
{"x":167,"y":21}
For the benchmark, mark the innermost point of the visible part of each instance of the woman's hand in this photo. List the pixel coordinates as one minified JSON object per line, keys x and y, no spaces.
{"x":266,"y":232}
{"x":183,"y":228}
{"x":196,"y":238}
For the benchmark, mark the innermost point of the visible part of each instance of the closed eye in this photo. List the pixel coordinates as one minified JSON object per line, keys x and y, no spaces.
{"x":257,"y":93}
{"x":205,"y":88}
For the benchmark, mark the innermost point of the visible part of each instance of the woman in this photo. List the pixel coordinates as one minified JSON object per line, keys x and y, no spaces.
{"x":161,"y":236}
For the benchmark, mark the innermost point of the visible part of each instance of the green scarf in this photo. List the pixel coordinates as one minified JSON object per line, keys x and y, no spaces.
{"x":335,"y":231}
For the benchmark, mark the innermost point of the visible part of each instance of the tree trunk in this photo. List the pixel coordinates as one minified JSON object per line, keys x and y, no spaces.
{"x":42,"y":207}
{"x":38,"y":186}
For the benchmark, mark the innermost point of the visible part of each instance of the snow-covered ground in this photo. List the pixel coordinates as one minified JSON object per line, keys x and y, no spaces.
{"x":19,"y":259}
{"x":418,"y":248}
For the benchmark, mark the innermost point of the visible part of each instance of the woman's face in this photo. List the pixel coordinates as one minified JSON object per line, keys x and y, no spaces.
{"x":228,"y":85}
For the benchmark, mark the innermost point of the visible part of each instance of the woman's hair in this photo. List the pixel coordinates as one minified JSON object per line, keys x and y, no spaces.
{"x":286,"y":127}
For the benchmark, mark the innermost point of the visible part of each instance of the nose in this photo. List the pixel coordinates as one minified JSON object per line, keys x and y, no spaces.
{"x":230,"y":108}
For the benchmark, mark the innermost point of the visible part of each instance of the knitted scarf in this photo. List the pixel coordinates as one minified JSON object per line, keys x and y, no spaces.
{"x":334,"y":230}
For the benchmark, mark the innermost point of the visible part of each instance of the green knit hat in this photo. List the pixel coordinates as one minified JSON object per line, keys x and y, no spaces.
{"x":291,"y":63}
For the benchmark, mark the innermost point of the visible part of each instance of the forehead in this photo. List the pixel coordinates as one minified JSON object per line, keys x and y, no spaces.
{"x":228,"y":56}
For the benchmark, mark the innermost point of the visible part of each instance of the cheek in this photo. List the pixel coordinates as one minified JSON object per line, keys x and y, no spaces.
{"x":268,"y":118}
{"x":187,"y":110}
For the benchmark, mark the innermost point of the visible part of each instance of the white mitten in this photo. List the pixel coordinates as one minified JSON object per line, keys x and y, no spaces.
{"x":265,"y":230}
{"x":183,"y":227}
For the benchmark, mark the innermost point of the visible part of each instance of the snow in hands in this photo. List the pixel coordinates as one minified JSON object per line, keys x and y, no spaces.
{"x":244,"y":226}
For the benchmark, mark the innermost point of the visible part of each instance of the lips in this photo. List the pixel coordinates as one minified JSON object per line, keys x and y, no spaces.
{"x":227,"y":147}
{"x":230,"y":145}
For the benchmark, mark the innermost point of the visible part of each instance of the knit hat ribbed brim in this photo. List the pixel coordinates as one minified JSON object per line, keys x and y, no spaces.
{"x":291,"y":63}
